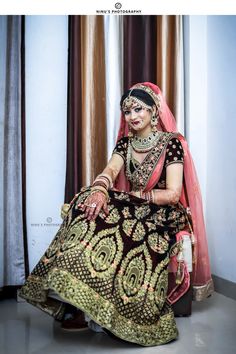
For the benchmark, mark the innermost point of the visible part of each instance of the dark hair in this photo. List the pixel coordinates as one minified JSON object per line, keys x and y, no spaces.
{"x":140,"y":94}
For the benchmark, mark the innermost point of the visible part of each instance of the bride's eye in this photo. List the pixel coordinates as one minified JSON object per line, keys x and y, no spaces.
{"x":126,"y":113}
{"x":138,"y":109}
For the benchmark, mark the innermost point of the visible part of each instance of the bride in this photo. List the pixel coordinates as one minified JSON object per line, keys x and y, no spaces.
{"x":108,"y":263}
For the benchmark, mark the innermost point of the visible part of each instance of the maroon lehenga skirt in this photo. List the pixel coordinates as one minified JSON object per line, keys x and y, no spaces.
{"x":115,"y":268}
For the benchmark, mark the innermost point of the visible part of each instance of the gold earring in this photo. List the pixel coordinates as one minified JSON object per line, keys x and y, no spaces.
{"x":130,"y":133}
{"x":154,"y":121}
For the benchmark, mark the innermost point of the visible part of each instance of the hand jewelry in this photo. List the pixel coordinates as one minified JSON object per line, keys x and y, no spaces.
{"x":101,"y":190}
{"x":93,"y":205}
{"x":103,"y":180}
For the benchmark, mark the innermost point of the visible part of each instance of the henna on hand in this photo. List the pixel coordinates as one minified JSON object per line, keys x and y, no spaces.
{"x":93,"y":204}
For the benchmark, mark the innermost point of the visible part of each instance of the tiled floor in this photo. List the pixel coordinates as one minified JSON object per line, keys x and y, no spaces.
{"x":210,"y":329}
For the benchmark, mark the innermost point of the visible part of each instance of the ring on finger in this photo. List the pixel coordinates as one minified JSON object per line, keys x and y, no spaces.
{"x":93,"y":205}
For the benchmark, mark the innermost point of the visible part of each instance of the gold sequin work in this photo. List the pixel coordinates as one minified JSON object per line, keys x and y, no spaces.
{"x":114,"y":268}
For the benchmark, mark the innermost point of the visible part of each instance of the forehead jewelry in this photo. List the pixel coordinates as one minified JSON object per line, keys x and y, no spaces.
{"x":155,"y":96}
{"x":129,"y":101}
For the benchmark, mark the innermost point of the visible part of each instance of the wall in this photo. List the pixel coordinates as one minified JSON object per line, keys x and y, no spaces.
{"x":210,"y":59}
{"x":221,"y":158}
{"x":46,"y":45}
{"x":196,"y":91}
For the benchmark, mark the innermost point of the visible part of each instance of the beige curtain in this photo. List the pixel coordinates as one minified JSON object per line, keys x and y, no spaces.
{"x":150,"y":50}
{"x":93,"y":134}
{"x":169,"y":47}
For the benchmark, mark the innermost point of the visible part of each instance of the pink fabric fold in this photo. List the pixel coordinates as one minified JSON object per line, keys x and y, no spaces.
{"x":156,"y":174}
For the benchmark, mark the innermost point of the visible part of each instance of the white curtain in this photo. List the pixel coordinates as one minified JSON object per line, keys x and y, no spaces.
{"x":114,"y":76}
{"x":46,"y":50}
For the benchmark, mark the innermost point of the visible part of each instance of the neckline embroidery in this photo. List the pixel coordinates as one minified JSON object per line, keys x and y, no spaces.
{"x":141,"y":175}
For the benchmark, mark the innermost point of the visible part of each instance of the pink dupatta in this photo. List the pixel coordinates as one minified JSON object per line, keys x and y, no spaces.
{"x":190,"y":197}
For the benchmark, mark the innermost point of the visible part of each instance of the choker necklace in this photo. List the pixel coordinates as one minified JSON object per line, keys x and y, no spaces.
{"x":145,"y":144}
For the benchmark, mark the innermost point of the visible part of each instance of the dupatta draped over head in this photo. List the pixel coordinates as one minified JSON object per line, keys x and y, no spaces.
{"x":190,"y":197}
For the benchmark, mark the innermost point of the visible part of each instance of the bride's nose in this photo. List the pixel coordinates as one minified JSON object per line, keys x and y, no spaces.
{"x":133,"y":115}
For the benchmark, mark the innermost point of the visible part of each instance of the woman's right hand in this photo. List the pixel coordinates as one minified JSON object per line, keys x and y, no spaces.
{"x":93,"y":205}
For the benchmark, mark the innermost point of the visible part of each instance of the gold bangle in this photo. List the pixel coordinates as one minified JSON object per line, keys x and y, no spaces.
{"x":153,"y":197}
{"x":107,"y":177}
{"x":99,"y":188}
{"x":94,"y":190}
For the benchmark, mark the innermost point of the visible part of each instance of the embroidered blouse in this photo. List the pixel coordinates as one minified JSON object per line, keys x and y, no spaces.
{"x":174,"y":154}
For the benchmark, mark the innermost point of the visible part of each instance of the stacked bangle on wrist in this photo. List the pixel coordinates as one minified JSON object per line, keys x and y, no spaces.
{"x":107,"y":177}
{"x":100,"y":183}
{"x":100,"y":189}
{"x":148,"y":196}
{"x":103,"y":180}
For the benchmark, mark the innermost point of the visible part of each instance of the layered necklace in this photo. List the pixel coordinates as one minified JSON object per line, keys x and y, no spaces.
{"x":145,"y":144}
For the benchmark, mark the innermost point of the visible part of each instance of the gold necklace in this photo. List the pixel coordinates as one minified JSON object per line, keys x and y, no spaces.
{"x":145,"y":144}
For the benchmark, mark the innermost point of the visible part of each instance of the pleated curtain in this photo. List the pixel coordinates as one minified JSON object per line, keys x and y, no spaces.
{"x":169,"y":64}
{"x":153,"y":51}
{"x":86,"y":128}
{"x":140,"y":49}
{"x":107,"y":55}
{"x":13,"y":244}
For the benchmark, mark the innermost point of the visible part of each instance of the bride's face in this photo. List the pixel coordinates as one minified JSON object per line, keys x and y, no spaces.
{"x":138,"y":117}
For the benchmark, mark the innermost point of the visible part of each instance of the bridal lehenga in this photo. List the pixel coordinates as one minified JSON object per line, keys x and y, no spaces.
{"x":115,"y":268}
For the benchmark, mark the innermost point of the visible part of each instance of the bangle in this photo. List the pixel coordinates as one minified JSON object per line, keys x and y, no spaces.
{"x":99,"y":188}
{"x":106,"y":175}
{"x":101,"y":184}
{"x":105,"y":178}
{"x":152,"y":196}
{"x":149,"y":196}
{"x":100,"y":181}
{"x":104,"y":191}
